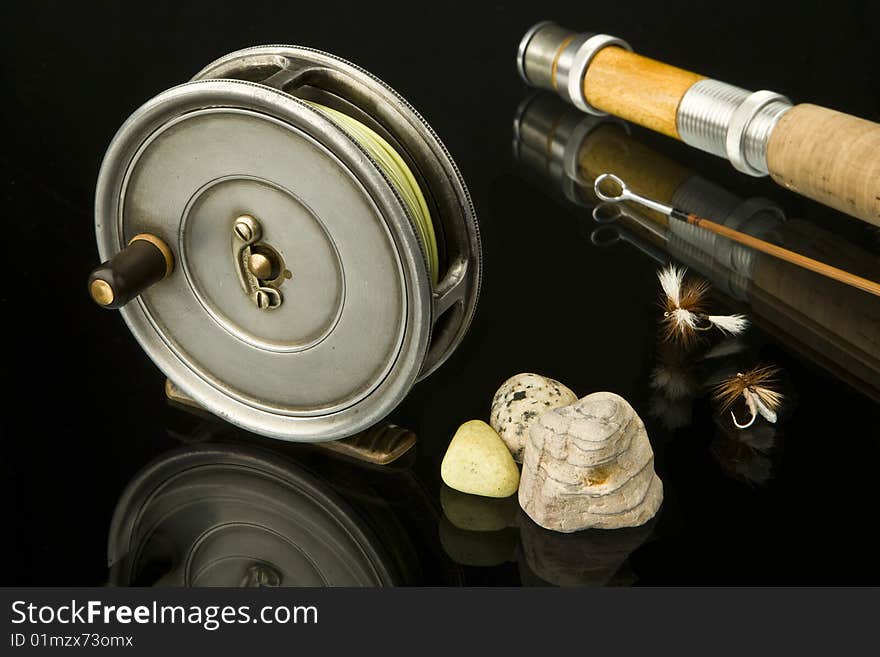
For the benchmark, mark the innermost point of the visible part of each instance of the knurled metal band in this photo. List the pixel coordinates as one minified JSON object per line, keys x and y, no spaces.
{"x":730,"y":122}
{"x":740,"y":130}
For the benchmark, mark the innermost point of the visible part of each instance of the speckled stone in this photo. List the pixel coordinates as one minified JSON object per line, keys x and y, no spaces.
{"x":590,"y":464}
{"x":518,"y":403}
{"x":477,"y":462}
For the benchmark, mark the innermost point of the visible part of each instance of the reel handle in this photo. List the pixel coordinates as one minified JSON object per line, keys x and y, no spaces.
{"x":145,"y":261}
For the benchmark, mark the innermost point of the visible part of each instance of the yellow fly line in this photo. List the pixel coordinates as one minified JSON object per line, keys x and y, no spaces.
{"x":393,"y":165}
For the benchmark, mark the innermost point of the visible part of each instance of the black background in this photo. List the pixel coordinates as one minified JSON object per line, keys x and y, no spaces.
{"x":83,"y":408}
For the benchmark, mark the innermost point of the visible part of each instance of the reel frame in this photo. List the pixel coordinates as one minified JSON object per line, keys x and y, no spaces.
{"x":267,"y":80}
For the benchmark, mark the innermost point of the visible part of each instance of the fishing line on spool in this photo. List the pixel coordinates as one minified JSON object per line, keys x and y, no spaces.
{"x":400,"y":175}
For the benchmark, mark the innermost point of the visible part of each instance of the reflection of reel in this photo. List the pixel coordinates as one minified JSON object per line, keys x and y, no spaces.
{"x":224,"y":515}
{"x":356,"y":202}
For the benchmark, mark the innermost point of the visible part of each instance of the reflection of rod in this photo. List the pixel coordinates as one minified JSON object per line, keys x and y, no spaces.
{"x":823,"y":154}
{"x":839,"y":337}
{"x":622,"y":194}
{"x":609,"y":234}
{"x":832,"y":324}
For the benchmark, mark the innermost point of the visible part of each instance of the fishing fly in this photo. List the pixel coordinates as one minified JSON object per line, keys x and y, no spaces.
{"x":684,"y":304}
{"x":756,"y":388}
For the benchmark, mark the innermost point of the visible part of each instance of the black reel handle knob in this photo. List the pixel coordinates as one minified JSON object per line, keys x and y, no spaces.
{"x":145,"y":261}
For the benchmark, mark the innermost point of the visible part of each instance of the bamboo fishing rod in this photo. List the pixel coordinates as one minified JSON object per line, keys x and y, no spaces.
{"x":621,"y":193}
{"x":834,"y":325}
{"x":823,"y":154}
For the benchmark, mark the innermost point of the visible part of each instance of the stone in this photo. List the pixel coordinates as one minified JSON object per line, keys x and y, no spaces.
{"x":477,"y":513}
{"x":477,"y":462}
{"x":590,"y":464}
{"x":518,"y":403}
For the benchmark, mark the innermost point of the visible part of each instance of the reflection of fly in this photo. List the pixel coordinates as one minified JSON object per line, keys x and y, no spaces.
{"x":746,"y":455}
{"x":682,"y":372}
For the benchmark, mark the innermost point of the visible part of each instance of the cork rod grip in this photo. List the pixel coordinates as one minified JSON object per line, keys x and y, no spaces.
{"x":828,"y":156}
{"x":637,"y":88}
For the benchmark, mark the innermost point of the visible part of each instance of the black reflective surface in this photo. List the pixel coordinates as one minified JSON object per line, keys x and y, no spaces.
{"x":84,"y":409}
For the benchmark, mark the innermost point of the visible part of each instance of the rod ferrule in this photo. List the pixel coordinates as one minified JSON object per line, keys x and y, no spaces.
{"x":580,"y":62}
{"x":524,"y":45}
{"x":555,"y":59}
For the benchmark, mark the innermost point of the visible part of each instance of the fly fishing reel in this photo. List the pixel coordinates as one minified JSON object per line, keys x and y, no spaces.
{"x":288,"y":240}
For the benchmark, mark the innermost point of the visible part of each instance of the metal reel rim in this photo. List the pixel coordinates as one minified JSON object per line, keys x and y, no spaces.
{"x":468,"y":260}
{"x":385,"y":397}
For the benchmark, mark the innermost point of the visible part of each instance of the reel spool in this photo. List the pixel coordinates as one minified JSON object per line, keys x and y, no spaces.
{"x":297,"y":245}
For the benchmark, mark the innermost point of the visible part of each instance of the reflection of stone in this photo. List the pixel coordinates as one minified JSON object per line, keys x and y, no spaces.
{"x":590,"y":465}
{"x":477,"y":513}
{"x":471,"y":548}
{"x":518,"y":403}
{"x":593,"y":557}
{"x":477,"y":462}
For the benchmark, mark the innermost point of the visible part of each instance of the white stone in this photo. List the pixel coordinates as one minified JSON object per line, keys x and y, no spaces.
{"x":590,"y":464}
{"x":518,"y":403}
